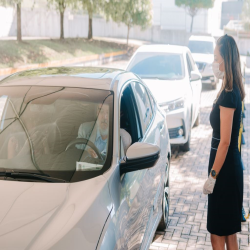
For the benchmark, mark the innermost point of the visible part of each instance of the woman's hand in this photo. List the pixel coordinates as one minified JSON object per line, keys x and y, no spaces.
{"x":208,"y":187}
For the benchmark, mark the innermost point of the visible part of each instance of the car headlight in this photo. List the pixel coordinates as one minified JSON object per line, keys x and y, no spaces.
{"x":170,"y":106}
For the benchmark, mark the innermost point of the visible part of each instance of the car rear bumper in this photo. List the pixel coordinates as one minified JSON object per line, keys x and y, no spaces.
{"x":208,"y":79}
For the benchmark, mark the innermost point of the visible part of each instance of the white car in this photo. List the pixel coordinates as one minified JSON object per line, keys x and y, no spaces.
{"x":174,"y":79}
{"x":202,"y":49}
{"x":84,"y":161}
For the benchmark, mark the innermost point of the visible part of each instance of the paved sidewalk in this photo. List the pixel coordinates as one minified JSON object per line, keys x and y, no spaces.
{"x":188,"y":171}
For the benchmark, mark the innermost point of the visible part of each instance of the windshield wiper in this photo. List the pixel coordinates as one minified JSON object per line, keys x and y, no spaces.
{"x":28,"y":175}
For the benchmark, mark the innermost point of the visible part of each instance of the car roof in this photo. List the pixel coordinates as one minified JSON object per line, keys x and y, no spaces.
{"x":163,"y":48}
{"x":202,"y":38}
{"x":83,"y":77}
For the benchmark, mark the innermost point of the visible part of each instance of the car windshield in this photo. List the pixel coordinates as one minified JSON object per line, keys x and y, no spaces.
{"x":63,"y":132}
{"x":201,"y":47}
{"x":158,"y":65}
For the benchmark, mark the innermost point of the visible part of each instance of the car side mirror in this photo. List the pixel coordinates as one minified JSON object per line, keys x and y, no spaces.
{"x":140,"y":155}
{"x":195,"y":76}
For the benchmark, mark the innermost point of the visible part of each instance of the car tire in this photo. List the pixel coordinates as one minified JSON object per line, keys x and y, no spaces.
{"x":186,"y":147}
{"x":197,"y":121}
{"x":163,"y":224}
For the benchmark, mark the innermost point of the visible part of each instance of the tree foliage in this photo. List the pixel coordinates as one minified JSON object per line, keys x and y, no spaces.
{"x":61,"y":5}
{"x":92,"y":7}
{"x":16,"y":4}
{"x":6,"y":3}
{"x":129,"y":12}
{"x":193,"y":6}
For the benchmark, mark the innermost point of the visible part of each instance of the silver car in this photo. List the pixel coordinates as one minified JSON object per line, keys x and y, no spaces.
{"x":84,"y":161}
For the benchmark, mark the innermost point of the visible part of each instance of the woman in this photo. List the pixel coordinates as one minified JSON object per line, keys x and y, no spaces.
{"x":224,"y":185}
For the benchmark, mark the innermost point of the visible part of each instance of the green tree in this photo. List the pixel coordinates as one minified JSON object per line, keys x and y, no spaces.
{"x":193,"y":6}
{"x":246,"y":14}
{"x":61,"y":6}
{"x":129,"y":12}
{"x":17,"y":5}
{"x":92,"y":7}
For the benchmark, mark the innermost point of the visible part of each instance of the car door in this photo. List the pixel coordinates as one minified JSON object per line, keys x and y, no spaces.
{"x":129,"y":217}
{"x":195,"y":85}
{"x":154,"y":131}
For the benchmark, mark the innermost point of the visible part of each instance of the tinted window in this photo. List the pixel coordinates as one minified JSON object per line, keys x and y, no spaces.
{"x":152,"y":101}
{"x":189,"y":66}
{"x":191,"y":61}
{"x":202,"y":47}
{"x":53,"y":128}
{"x":144,"y":104}
{"x":158,"y":65}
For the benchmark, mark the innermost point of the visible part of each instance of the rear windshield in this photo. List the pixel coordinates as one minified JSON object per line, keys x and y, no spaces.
{"x":202,"y":47}
{"x":158,"y":65}
{"x":54,"y":130}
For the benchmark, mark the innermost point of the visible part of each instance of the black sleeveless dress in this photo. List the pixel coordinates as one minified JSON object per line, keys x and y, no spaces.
{"x":225,"y":203}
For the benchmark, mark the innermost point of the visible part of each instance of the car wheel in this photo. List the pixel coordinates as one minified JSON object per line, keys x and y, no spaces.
{"x":186,"y":147}
{"x":165,"y":207}
{"x":197,"y":121}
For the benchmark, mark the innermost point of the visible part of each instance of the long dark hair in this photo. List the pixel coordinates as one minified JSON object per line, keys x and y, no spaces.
{"x":230,"y":54}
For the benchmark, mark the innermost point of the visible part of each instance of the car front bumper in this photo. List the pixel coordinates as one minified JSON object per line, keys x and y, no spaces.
{"x":177,"y":120}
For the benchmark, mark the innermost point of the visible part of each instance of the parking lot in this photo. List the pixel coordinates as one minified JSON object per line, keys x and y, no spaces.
{"x":188,"y":171}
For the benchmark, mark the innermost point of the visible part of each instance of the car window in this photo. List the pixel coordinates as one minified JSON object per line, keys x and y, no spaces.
{"x":129,"y":120}
{"x":201,"y":47}
{"x":143,"y":104}
{"x":55,"y":129}
{"x":191,"y":61}
{"x":129,"y":114}
{"x":158,"y":65}
{"x":152,"y":101}
{"x":189,"y":65}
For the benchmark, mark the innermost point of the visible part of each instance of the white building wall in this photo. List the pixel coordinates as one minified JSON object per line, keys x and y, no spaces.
{"x":176,"y":18}
{"x":171,"y":24}
{"x":6,"y":20}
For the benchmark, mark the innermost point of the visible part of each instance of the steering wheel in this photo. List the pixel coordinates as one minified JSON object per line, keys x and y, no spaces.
{"x":84,"y":141}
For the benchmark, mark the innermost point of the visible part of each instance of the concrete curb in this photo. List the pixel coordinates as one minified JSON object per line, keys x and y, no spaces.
{"x":83,"y":61}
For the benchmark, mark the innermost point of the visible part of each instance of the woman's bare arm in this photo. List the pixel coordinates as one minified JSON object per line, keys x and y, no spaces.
{"x":226,"y":123}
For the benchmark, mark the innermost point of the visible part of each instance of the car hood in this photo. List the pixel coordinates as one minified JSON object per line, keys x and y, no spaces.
{"x":206,"y":58}
{"x":53,"y":215}
{"x":167,"y":90}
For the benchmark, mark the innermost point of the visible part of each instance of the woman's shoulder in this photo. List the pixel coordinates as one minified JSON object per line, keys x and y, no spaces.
{"x":229,"y":98}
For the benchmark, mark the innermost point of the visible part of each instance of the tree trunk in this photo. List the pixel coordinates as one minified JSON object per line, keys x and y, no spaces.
{"x":62,"y":23}
{"x":19,"y":22}
{"x":90,"y":35}
{"x":128,"y":35}
{"x":191,"y":27}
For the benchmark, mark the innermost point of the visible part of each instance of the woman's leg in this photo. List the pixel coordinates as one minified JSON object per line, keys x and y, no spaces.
{"x":218,"y":242}
{"x":231,"y":242}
